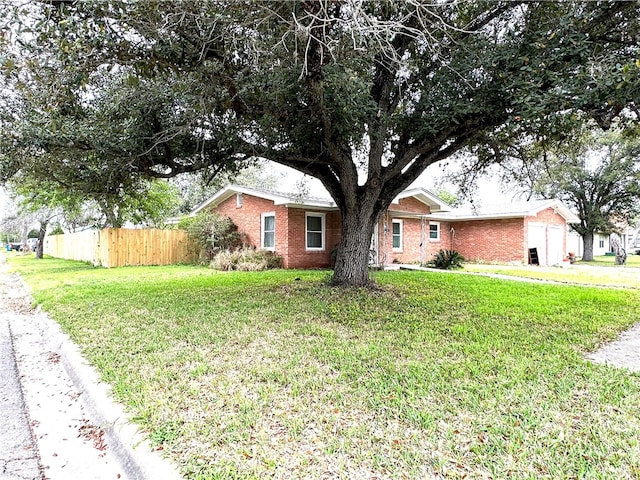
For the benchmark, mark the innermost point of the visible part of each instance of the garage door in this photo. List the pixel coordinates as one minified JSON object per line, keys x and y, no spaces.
{"x":538,"y":240}
{"x":555,"y":245}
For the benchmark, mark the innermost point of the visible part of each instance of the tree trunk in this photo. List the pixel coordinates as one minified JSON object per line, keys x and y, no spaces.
{"x":587,"y":241}
{"x":352,"y":257}
{"x":25,"y":235}
{"x":41,"y":234}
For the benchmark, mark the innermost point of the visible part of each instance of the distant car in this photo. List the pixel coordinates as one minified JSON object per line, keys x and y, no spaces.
{"x":32,"y":243}
{"x":15,"y":246}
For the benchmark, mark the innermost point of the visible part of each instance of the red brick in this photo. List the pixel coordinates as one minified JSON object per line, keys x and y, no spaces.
{"x":495,"y":240}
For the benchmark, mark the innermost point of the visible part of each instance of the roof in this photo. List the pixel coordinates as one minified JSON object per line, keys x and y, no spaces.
{"x":435,"y":203}
{"x":439,"y":209}
{"x":509,"y":210}
{"x":278,"y":198}
{"x":296,"y":200}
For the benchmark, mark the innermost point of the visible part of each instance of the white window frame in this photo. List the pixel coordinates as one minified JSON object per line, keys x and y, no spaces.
{"x":401,"y":235}
{"x":306,"y":231}
{"x":437,"y":239}
{"x":263,"y":231}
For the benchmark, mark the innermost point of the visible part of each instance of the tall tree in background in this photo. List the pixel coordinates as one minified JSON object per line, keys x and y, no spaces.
{"x":149,"y":204}
{"x":361,"y":95}
{"x":599,"y":179}
{"x":195,"y":187}
{"x":596,"y":174}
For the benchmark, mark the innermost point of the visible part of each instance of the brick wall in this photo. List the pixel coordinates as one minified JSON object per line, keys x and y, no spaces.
{"x":248,"y":219}
{"x":298,"y":255}
{"x":410,"y":205}
{"x":410,"y":250}
{"x":416,"y":244}
{"x":500,"y":240}
{"x":290,"y":234}
{"x":443,"y":243}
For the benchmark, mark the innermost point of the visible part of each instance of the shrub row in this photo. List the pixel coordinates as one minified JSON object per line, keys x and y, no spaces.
{"x":246,"y":259}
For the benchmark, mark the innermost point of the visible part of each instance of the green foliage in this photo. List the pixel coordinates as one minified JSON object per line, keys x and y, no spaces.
{"x":10,"y":231}
{"x":448,"y":197}
{"x":447,"y":260}
{"x":33,"y":233}
{"x":139,"y":201}
{"x":57,"y":230}
{"x":604,"y":192}
{"x":212,"y":233}
{"x":197,"y":187}
{"x":246,"y":259}
{"x":595,"y":173}
{"x":150,"y":204}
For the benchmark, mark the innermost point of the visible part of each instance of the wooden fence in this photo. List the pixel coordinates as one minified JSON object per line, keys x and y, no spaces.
{"x":117,"y":247}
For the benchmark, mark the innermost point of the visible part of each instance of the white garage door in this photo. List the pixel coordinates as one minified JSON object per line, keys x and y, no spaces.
{"x":538,"y":240}
{"x":548,"y":241}
{"x":554,"y":245}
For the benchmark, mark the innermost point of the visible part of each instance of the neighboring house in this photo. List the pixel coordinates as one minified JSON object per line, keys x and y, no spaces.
{"x":602,"y":244}
{"x":304,"y":231}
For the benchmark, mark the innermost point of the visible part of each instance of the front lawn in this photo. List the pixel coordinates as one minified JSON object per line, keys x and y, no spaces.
{"x":585,"y":273}
{"x":433,"y":375}
{"x":633,"y":260}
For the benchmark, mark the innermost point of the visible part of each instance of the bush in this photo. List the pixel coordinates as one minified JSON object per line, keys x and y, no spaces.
{"x":447,"y":260}
{"x":246,"y":259}
{"x":211,"y":233}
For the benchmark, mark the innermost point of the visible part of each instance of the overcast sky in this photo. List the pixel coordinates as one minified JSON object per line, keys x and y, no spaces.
{"x":489,"y":191}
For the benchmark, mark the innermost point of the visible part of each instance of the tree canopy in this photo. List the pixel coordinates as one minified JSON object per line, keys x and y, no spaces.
{"x":599,"y":178}
{"x":361,"y":95}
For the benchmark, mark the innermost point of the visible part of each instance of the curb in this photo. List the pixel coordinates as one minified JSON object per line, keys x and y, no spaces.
{"x":134,"y":452}
{"x":129,"y":446}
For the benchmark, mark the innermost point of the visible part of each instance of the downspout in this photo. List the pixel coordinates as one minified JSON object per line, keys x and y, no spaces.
{"x":423,"y":241}
{"x":385,"y":237}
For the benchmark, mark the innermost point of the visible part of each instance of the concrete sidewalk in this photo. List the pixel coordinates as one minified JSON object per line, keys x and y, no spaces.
{"x":58,"y":421}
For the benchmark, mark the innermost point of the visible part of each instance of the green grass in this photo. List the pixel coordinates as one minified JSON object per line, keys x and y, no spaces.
{"x":585,"y":273}
{"x":610,"y":261}
{"x":276,"y":375}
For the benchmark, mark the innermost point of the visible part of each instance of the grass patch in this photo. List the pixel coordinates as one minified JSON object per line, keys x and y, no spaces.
{"x":610,"y":261}
{"x":583,"y":273}
{"x":274,"y":374}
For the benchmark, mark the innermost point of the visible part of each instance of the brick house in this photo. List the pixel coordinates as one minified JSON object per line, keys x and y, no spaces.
{"x":304,"y":231}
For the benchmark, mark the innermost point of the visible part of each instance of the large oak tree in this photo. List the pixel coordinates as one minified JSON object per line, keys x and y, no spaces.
{"x":599,"y":178}
{"x":362,"y":95}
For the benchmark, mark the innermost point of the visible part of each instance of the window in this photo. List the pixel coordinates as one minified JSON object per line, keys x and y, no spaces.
{"x":238,"y":200}
{"x":315,"y":231}
{"x":434,"y":231}
{"x":396,"y":235}
{"x":601,"y":243}
{"x":268,"y":235}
